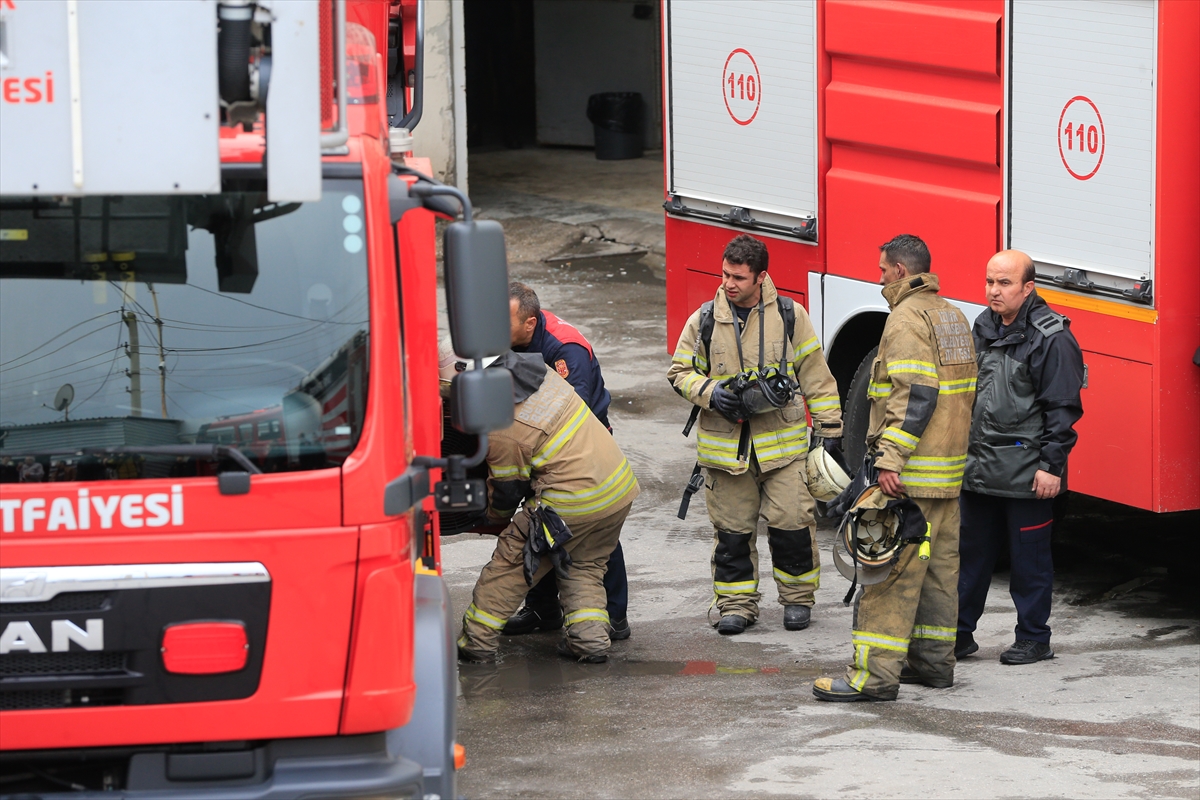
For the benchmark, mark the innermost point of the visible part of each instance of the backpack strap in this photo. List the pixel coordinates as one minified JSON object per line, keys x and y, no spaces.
{"x":787,"y":310}
{"x":707,"y":322}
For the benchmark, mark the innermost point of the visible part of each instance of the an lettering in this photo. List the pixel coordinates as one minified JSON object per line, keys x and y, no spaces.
{"x":131,"y":510}
{"x":106,"y":507}
{"x":8,"y":509}
{"x":29,"y":90}
{"x":32,"y":510}
{"x":85,"y":510}
{"x":63,"y":632}
{"x":21,"y":637}
{"x":62,"y":515}
{"x":157,"y":509}
{"x":176,"y":505}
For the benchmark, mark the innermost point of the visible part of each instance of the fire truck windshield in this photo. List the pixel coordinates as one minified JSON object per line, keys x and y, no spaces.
{"x":157,"y":320}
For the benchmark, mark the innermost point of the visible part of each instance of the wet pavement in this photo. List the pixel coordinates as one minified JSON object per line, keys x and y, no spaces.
{"x":682,"y":712}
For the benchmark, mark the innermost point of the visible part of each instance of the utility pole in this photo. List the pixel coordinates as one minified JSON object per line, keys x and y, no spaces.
{"x":162,"y":358}
{"x":135,"y":365}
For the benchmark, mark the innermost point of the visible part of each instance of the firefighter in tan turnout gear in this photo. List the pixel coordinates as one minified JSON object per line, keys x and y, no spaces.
{"x":739,"y":363}
{"x":558,"y":478}
{"x":922,"y":388}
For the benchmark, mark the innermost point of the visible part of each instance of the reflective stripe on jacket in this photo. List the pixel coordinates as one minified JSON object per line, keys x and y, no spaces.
{"x":921,"y":389}
{"x":562,"y":453}
{"x":778,"y":436}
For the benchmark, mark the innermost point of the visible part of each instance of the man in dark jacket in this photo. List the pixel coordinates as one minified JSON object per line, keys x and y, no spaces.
{"x":1022,"y":429}
{"x":567,"y":352}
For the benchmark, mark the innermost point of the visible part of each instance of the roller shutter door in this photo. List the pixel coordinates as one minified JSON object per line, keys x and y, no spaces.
{"x":1081,"y":197}
{"x":743,"y":112}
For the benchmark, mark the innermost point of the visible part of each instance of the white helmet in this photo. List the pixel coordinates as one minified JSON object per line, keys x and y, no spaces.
{"x":826,"y":480}
{"x":868,"y":539}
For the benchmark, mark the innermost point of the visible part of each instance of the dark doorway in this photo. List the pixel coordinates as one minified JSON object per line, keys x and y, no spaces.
{"x":501,"y":110}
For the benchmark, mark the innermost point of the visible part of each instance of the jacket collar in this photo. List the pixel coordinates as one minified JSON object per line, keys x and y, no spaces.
{"x":896,"y":291}
{"x":989,"y":321}
{"x":721,"y":310}
{"x":528,"y":371}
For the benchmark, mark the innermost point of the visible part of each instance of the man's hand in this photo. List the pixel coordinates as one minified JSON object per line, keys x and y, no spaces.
{"x":1045,"y":485}
{"x":725,"y":403}
{"x":890,"y":483}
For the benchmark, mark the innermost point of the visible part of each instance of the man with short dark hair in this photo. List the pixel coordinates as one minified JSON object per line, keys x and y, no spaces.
{"x":753,"y":446}
{"x":564,"y":348}
{"x":1022,"y":430}
{"x":922,"y":382}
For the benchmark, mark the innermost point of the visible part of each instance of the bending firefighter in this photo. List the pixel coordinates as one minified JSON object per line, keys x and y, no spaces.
{"x":922,"y":386}
{"x":750,"y":361}
{"x":558,"y":478}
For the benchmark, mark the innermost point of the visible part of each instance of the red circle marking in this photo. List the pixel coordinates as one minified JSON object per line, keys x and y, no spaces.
{"x":1100,"y":160}
{"x":758,"y":80}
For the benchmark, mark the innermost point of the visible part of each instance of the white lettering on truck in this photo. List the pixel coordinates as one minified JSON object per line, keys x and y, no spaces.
{"x":20,"y":637}
{"x":155,"y":510}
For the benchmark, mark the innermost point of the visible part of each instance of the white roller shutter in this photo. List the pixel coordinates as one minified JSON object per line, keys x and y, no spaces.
{"x":1081,"y":199}
{"x":743,"y":111}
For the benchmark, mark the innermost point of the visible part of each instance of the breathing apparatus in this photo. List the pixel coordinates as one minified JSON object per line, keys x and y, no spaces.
{"x":766,"y":387}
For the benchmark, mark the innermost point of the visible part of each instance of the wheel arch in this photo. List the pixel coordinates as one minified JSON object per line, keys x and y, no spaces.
{"x":854,"y":338}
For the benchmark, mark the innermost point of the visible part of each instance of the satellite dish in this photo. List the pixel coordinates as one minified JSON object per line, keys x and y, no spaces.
{"x":64,"y":397}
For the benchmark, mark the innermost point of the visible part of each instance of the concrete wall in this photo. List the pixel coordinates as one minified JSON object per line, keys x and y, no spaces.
{"x":587,"y":46}
{"x":441,"y":134}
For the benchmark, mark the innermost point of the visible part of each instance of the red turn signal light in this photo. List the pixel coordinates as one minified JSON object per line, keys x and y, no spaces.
{"x":205,"y":648}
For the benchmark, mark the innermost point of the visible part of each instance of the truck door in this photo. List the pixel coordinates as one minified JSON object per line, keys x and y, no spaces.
{"x":1081,"y":168}
{"x":742,"y":121}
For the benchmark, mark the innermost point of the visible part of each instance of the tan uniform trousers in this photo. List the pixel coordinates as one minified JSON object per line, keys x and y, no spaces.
{"x":735,"y":504}
{"x":501,"y":586}
{"x":913,"y":614}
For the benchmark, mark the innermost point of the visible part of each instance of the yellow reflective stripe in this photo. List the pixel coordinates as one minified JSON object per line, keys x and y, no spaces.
{"x":612,"y":491}
{"x":964,"y":386}
{"x":782,"y":442}
{"x":879,"y":640}
{"x":584,"y":614}
{"x":509,"y":470}
{"x":861,"y":673}
{"x":912,"y":367}
{"x":932,"y":480}
{"x":483,"y":618}
{"x":806,"y":347}
{"x":551,"y":448}
{"x":737,"y":587}
{"x":934,"y":471}
{"x":902,"y":438}
{"x":816,"y":404}
{"x":879,"y":389}
{"x":934,"y":632}
{"x":463,"y":641}
{"x":812,"y":576}
{"x":938,"y":461}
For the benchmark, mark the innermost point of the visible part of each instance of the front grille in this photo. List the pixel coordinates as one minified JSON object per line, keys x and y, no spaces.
{"x":67,"y":601}
{"x":76,"y":662}
{"x":59,"y":698}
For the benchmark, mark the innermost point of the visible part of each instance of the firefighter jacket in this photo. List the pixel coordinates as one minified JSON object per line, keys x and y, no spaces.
{"x":922,"y":385}
{"x":1030,"y":377}
{"x":556,"y":451}
{"x":778,"y":436}
{"x":566,"y":350}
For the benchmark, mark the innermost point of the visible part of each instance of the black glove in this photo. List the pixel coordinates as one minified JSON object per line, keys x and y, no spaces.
{"x":547,"y":536}
{"x":726,"y":403}
{"x":834,"y":448}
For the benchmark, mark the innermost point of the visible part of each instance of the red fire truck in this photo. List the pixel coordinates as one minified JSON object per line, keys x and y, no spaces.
{"x":1064,"y":128}
{"x":174,"y":621}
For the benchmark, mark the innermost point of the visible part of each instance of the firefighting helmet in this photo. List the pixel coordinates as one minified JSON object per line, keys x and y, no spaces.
{"x":826,"y":478}
{"x":868,"y":539}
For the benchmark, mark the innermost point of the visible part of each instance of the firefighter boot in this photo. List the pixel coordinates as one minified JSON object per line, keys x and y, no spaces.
{"x":732,"y":625}
{"x":534,"y":618}
{"x":565,"y":651}
{"x":837,"y":690}
{"x":796,"y":618}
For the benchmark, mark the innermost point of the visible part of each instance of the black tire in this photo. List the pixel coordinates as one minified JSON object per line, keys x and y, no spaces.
{"x":857,"y":414}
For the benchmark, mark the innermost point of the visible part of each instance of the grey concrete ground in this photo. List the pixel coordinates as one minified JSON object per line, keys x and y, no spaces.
{"x":682,"y":712}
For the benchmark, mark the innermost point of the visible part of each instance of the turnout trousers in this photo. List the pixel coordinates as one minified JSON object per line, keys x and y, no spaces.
{"x":501,"y":585}
{"x":735,"y":504}
{"x":544,"y":594}
{"x":988,"y":524}
{"x":912,"y":614}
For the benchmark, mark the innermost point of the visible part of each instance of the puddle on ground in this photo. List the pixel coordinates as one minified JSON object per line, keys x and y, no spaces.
{"x":596,"y":272}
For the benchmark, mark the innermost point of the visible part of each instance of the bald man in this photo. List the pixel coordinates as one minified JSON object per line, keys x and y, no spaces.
{"x":1022,"y":430}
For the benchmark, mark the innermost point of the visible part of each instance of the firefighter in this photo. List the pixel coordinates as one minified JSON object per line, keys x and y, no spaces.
{"x":1030,"y":378}
{"x":564,"y":348}
{"x":921,"y":389}
{"x":557,"y":477}
{"x":753,"y":454}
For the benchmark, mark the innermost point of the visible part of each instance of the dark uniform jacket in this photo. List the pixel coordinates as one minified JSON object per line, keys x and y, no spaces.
{"x":567,"y":352}
{"x":1028,"y":400}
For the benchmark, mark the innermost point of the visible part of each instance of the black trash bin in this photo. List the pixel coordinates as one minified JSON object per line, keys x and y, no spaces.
{"x":618,"y":119}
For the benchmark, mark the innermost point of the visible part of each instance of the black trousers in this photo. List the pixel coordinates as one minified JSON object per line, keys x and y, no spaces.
{"x":989,"y":523}
{"x":616,"y":585}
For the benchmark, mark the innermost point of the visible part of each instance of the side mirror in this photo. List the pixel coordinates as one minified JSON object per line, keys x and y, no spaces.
{"x":481,"y":400}
{"x":477,"y":290}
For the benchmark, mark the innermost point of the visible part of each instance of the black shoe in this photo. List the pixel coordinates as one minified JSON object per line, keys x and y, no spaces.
{"x":565,"y":651}
{"x":910,"y":676}
{"x":1026,"y":651}
{"x":618,"y":629}
{"x":964,"y":645}
{"x":836,"y":690}
{"x":732,"y":625}
{"x":466,"y":656}
{"x":529,"y":619}
{"x":796,"y":618}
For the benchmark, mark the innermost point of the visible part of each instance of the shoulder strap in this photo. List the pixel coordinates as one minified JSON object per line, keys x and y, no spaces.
{"x":1049,"y":324}
{"x":706,"y":327}
{"x":787,"y":310}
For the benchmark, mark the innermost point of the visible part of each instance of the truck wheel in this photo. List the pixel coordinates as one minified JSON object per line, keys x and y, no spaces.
{"x":858,"y":413}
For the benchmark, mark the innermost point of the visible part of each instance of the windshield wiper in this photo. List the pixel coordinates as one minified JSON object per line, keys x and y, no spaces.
{"x":213,"y":451}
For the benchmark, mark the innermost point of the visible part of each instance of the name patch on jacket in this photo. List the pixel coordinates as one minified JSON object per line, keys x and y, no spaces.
{"x":561,"y":367}
{"x":953,"y":336}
